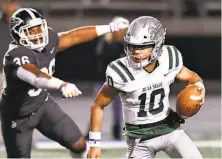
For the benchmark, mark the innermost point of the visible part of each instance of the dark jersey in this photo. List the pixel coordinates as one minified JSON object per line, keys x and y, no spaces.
{"x":20,"y":97}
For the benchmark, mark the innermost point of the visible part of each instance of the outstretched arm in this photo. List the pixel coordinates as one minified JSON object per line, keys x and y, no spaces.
{"x":84,"y":34}
{"x":103,"y":98}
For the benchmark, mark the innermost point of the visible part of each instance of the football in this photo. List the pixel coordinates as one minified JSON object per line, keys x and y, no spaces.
{"x":187,"y":103}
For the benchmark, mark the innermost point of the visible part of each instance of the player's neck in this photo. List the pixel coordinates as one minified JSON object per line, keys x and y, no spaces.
{"x":150,"y":68}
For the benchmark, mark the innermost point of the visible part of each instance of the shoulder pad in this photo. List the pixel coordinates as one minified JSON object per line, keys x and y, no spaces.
{"x":117,"y":74}
{"x":53,"y":37}
{"x":18,"y":55}
{"x":174,"y":58}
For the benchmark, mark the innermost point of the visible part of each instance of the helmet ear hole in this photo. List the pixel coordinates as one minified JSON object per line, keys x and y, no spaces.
{"x":145,"y":37}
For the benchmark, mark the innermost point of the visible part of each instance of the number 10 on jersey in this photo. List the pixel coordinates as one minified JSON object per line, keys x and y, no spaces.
{"x":152,"y":110}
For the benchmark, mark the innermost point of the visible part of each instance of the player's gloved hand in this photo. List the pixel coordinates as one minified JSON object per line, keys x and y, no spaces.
{"x":119,"y":24}
{"x":69,"y":90}
{"x":94,"y":152}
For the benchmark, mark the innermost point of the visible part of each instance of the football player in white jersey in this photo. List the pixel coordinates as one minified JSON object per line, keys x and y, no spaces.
{"x":142,"y":79}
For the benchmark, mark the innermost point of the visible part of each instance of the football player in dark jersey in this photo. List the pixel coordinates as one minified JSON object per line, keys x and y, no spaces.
{"x":28,"y":67}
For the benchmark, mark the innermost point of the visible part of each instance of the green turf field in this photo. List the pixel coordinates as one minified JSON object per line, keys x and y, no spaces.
{"x":112,"y":153}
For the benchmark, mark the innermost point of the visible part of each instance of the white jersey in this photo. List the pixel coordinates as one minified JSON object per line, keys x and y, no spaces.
{"x":145,"y":96}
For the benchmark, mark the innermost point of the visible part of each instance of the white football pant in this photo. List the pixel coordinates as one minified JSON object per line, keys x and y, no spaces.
{"x":176,"y":144}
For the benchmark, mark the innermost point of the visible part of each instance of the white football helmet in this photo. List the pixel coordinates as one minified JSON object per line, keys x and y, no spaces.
{"x":144,"y":32}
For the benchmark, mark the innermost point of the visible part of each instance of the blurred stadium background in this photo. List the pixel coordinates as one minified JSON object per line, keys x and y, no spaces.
{"x":193,"y":26}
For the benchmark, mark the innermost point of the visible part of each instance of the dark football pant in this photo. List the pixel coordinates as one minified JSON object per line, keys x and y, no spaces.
{"x":49,"y":119}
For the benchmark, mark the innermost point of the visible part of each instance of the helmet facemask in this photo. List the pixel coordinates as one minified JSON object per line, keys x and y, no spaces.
{"x":129,"y":49}
{"x":36,"y":41}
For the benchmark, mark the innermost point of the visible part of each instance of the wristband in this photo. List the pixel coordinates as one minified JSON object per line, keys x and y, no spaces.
{"x":55,"y":83}
{"x":199,"y":84}
{"x":102,"y":29}
{"x":94,"y":139}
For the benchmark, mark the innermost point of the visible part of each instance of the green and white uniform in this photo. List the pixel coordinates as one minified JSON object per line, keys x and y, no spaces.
{"x":145,"y":96}
{"x":145,"y":100}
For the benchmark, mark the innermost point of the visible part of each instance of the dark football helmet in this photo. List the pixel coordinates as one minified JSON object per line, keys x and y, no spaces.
{"x":21,"y":24}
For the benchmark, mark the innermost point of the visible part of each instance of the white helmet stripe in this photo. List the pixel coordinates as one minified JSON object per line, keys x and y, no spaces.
{"x":30,"y":13}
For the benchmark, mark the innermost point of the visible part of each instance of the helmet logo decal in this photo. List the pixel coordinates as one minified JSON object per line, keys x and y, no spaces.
{"x":153,"y":30}
{"x":15,"y":22}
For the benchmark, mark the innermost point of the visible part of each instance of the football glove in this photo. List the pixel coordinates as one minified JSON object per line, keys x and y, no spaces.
{"x":119,"y":24}
{"x":69,"y":90}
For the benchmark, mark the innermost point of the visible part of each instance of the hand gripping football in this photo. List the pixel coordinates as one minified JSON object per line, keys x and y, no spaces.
{"x":188,"y":103}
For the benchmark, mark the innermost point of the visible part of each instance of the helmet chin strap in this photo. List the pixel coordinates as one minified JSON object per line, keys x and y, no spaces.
{"x":139,"y":65}
{"x":155,"y":54}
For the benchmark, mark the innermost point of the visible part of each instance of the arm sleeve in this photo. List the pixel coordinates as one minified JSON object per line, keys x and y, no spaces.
{"x":20,"y":56}
{"x":38,"y":82}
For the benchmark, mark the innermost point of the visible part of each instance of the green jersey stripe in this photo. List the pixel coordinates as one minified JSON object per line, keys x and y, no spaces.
{"x":170,"y":57}
{"x":126,"y":70}
{"x":118,"y":72}
{"x":177,"y":56}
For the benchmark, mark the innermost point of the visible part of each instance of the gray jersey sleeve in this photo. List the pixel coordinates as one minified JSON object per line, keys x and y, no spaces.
{"x":16,"y":58}
{"x":19,"y":56}
{"x":53,"y":39}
